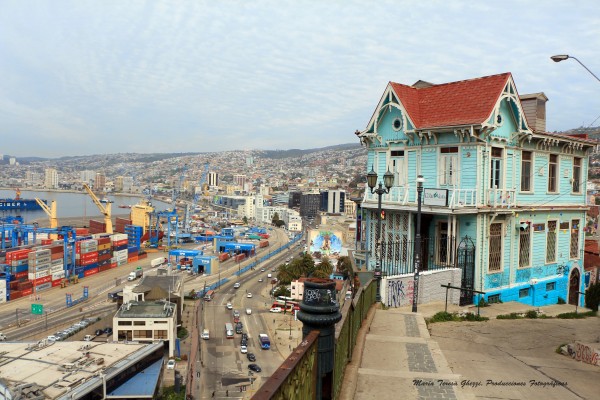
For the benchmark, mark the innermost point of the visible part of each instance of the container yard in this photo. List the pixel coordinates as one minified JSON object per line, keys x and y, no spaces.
{"x":30,"y":264}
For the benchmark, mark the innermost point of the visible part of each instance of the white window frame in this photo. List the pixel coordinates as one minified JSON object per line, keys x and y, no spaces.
{"x":448,"y":167}
{"x":577,"y":178}
{"x":398,"y":166}
{"x":501,"y":266}
{"x":578,"y":236}
{"x":531,"y":174}
{"x":498,"y":167}
{"x":556,"y":229}
{"x":528,"y":265}
{"x":556,"y":175}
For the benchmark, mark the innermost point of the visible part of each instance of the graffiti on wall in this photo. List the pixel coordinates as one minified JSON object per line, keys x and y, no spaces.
{"x":583,"y":352}
{"x":399,"y":292}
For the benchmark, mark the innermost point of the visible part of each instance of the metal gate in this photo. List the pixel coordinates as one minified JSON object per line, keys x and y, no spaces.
{"x":465,"y":260}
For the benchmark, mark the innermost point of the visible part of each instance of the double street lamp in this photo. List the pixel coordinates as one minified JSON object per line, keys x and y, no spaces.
{"x":563,"y":57}
{"x":417,"y":248}
{"x":388,"y":182}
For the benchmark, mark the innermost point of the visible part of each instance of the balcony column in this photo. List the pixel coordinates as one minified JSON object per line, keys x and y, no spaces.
{"x":319,"y":311}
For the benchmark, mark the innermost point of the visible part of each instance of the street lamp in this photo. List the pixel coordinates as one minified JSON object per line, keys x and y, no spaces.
{"x":417,"y":248}
{"x":562,"y":57}
{"x":388,"y":181}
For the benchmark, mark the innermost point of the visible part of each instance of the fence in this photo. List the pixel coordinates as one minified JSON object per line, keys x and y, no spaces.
{"x":437,"y":253}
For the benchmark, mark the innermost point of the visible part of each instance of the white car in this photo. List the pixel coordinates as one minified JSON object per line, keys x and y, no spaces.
{"x":229,"y":306}
{"x":260,"y":279}
{"x":205,"y":334}
{"x":249,"y":295}
{"x":243,"y":349}
{"x":171,"y":364}
{"x":248,"y":311}
{"x":236,"y":285}
{"x":275,"y":309}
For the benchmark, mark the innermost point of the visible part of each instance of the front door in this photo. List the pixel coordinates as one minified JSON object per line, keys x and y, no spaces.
{"x":465,"y":260}
{"x":574,"y":282}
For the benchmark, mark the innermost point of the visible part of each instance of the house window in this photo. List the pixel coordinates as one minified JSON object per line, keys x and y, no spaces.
{"x":495,"y":248}
{"x":550,"y":286}
{"x":443,"y":245}
{"x":553,"y":173}
{"x":398,"y":167}
{"x":551,"y":242}
{"x":448,"y":166}
{"x":494,"y":298}
{"x":124,"y":323}
{"x":525,"y":247}
{"x":577,"y":175}
{"x":139,"y":323}
{"x":574,"y":253}
{"x":144,"y":334}
{"x":495,"y":168}
{"x":523,"y":293}
{"x":526,"y":171}
{"x":160,"y":322}
{"x":160,"y":334}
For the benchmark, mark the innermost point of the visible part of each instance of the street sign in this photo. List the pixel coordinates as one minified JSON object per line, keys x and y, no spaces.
{"x":37,"y":309}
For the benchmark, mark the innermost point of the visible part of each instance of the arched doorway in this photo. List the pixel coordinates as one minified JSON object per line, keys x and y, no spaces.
{"x":574,"y":283}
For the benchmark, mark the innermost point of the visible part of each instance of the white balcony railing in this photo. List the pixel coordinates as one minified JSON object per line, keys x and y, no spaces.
{"x":502,"y":198}
{"x":462,"y":198}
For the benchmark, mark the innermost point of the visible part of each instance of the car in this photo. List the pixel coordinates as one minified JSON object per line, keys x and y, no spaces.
{"x":260,"y":279}
{"x":249,"y":295}
{"x":236,"y":314}
{"x":236,"y":285}
{"x":171,"y":364}
{"x":108,"y":330}
{"x":251,"y":357}
{"x":98,"y":332}
{"x":243,"y":342}
{"x":205,"y":334}
{"x":254,"y":367}
{"x":229,"y":306}
{"x":269,"y":275}
{"x":248,"y":311}
{"x":88,"y":338}
{"x":275,"y":309}
{"x":262,"y":270}
{"x":243,"y":349}
{"x":52,"y":338}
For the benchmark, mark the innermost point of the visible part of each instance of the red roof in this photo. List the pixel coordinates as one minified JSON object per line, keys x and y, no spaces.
{"x":450,"y":104}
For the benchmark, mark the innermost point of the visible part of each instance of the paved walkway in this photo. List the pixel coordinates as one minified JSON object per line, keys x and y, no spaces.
{"x":395,"y":357}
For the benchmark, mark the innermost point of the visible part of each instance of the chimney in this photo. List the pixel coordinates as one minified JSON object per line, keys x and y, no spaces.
{"x":534,"y":107}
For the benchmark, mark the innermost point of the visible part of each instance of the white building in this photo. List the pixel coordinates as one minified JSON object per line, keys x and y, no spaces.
{"x":50,"y":178}
{"x":146,"y":322}
{"x":87,"y":176}
{"x":213,"y":179}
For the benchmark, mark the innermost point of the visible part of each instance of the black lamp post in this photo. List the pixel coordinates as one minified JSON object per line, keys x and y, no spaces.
{"x":563,"y":57}
{"x":388,"y":181}
{"x":417,"y":248}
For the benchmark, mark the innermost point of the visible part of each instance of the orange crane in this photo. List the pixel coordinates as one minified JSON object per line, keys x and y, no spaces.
{"x":104,"y":209}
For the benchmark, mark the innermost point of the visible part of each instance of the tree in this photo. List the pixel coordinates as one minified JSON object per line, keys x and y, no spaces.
{"x":320,"y":274}
{"x":325,"y":266}
{"x":282,"y":291}
{"x":275,"y":218}
{"x":245,"y":220}
{"x":279,"y":223}
{"x":344,"y":265}
{"x":592,"y":296}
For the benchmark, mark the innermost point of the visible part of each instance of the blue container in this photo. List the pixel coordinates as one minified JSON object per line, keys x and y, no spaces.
{"x":81,"y":275}
{"x":21,"y":268}
{"x":79,"y":270}
{"x":91,"y":266}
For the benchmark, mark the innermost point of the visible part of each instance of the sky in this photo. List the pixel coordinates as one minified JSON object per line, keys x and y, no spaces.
{"x":101,"y":77}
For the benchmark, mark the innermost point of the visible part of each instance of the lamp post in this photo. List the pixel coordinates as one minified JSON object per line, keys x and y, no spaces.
{"x":562,"y":57}
{"x":417,"y":248}
{"x":388,"y":181}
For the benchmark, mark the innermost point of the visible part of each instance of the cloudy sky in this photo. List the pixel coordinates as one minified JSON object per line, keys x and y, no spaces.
{"x":90,"y":77}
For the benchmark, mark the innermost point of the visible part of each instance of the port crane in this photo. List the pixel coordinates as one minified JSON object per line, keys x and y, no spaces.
{"x":177,"y":191}
{"x":104,"y":209}
{"x":51,"y":212}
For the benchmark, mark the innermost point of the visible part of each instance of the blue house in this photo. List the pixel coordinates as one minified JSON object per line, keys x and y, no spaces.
{"x":503,"y":200}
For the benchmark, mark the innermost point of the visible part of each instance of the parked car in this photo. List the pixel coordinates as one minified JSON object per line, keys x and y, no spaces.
{"x":171,"y":364}
{"x":254,"y":367}
{"x":108,"y":330}
{"x":88,"y":338}
{"x":244,"y":336}
{"x":205,"y":334}
{"x":229,"y":306}
{"x":236,"y":285}
{"x":275,"y":309}
{"x":243,"y":342}
{"x":236,"y":314}
{"x":249,"y":295}
{"x":243,"y":349}
{"x":52,"y":338}
{"x":98,"y":332}
{"x":251,"y":357}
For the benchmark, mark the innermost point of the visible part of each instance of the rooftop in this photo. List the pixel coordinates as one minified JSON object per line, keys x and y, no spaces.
{"x":146,"y":309}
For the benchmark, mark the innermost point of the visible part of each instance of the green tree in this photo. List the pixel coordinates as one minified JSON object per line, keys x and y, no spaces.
{"x":318,"y":273}
{"x":344,"y":265}
{"x":325,"y":266}
{"x":275,"y":218}
{"x":279,"y":223}
{"x":284,"y":275}
{"x":245,"y":220}
{"x":282,"y":291}
{"x":592,"y":296}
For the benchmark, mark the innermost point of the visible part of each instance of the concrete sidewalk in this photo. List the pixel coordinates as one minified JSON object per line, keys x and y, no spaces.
{"x":395,"y":357}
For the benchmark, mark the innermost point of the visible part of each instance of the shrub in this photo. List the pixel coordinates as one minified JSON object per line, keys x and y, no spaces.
{"x":561,"y":301}
{"x":532,"y":314}
{"x":483,"y":303}
{"x":508,"y":316}
{"x":592,"y":296}
{"x":574,"y":315}
{"x":442,"y":316}
{"x":473,"y":317}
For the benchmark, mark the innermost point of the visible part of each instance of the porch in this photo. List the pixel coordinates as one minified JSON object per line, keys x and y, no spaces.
{"x":447,"y":198}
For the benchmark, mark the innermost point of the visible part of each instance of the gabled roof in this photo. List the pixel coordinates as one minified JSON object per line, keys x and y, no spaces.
{"x":450,"y":104}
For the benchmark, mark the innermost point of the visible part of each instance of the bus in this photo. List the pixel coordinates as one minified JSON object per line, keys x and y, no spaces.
{"x":229,"y":330}
{"x":288,"y":306}
{"x":264,"y":341}
{"x":208,"y":296}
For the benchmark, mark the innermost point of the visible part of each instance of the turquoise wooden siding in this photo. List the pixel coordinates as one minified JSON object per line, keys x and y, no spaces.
{"x":467,"y":167}
{"x":385,"y":127}
{"x":429,"y":167}
{"x":508,"y":122}
{"x":412,"y":172}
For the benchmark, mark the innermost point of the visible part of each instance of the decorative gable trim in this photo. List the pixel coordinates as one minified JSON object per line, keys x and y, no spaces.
{"x":509,"y":93}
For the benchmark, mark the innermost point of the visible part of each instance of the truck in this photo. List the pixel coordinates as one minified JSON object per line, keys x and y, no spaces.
{"x":158,"y":261}
{"x":133,"y":275}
